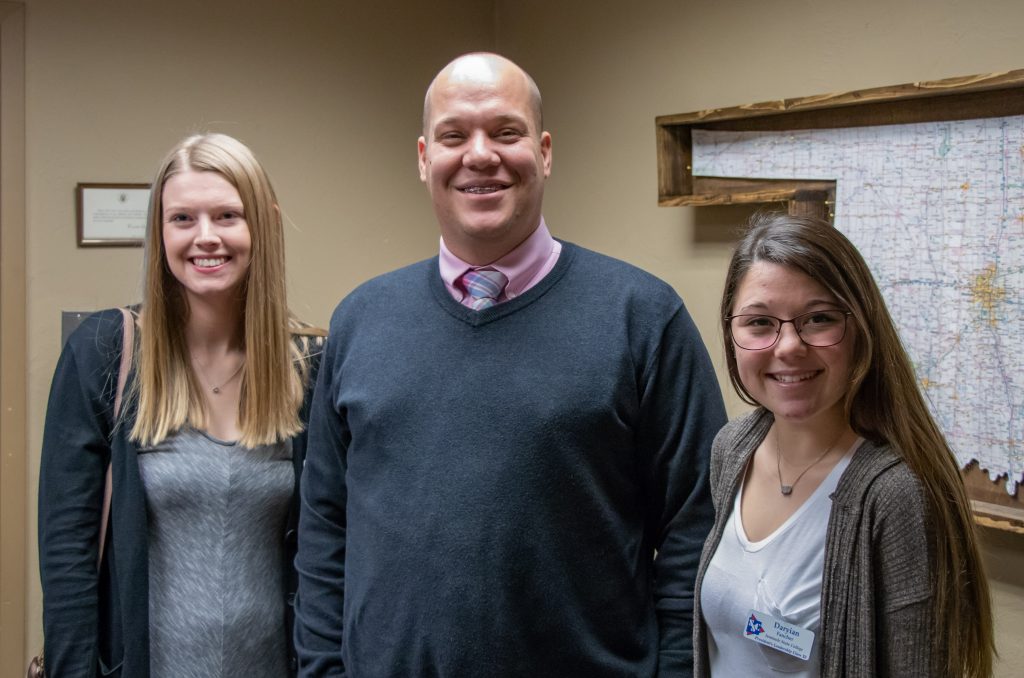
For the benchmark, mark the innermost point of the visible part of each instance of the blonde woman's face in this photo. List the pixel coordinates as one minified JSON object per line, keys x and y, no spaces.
{"x":206,"y":237}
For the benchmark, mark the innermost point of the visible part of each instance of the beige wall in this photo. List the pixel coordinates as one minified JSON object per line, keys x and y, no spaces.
{"x":328,"y":92}
{"x":607,"y":69}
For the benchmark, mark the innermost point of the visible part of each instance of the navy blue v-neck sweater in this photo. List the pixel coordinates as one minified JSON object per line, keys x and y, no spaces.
{"x":484,"y":491}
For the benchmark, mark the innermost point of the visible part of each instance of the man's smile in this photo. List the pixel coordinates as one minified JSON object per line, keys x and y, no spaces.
{"x":482,"y":188}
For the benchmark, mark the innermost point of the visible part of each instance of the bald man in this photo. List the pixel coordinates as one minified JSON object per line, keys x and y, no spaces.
{"x":508,"y":448}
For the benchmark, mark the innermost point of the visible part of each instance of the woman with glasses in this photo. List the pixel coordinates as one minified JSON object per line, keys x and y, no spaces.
{"x":843,"y":542}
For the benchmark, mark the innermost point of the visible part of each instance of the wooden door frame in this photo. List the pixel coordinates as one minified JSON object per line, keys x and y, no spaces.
{"x":13,"y":349}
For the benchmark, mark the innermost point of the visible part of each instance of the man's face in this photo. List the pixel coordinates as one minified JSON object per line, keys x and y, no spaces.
{"x":484,"y":161}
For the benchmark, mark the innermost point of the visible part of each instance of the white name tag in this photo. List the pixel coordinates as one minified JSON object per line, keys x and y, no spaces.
{"x":794,"y":640}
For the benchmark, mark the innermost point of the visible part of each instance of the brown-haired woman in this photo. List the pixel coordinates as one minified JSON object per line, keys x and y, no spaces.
{"x":843,"y":542}
{"x":196,"y":576}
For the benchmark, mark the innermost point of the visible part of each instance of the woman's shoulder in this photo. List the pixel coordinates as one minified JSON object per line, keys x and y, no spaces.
{"x":752,"y":425}
{"x":734,"y":443}
{"x":308,"y":338}
{"x":881,"y":482}
{"x":104,"y":320}
{"x":897,"y":487}
{"x":98,"y":335}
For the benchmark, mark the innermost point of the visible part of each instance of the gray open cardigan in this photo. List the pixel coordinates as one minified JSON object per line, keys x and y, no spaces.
{"x":876,"y":596}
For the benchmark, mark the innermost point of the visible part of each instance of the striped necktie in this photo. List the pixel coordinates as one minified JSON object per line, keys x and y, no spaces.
{"x":483,"y":286}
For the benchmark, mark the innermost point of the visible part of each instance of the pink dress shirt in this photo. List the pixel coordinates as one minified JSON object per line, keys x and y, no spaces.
{"x":525,"y":266}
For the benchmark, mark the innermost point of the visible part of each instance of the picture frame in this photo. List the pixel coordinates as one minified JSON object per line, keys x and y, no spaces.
{"x":986,"y":95}
{"x":111,"y":214}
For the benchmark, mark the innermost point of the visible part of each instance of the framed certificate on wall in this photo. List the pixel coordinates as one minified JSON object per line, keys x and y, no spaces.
{"x":111,"y":215}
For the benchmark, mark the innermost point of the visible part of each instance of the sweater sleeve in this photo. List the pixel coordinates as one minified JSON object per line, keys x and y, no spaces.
{"x":75,"y":454}
{"x":312,"y":350}
{"x":681,"y":411}
{"x":905,"y":639}
{"x":322,"y":527}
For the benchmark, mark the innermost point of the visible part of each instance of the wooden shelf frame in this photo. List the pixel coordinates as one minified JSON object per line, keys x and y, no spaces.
{"x":966,"y":98}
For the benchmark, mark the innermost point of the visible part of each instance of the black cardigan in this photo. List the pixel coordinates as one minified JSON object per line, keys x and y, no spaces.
{"x":100,"y":625}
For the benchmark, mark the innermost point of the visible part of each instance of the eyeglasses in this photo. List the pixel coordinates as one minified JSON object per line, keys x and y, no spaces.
{"x":816,"y":328}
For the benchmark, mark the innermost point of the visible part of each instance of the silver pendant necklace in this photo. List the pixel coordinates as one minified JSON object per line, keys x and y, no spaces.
{"x":218,"y":387}
{"x":785,"y":489}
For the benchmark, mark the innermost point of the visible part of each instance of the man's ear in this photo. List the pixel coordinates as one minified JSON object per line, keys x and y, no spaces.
{"x":421,"y":150}
{"x":545,"y":152}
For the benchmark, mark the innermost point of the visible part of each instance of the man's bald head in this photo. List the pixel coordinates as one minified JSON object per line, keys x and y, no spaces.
{"x":484,"y":156}
{"x":482,"y":67}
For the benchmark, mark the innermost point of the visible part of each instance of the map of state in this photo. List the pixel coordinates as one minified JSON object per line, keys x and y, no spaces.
{"x":937,"y":210}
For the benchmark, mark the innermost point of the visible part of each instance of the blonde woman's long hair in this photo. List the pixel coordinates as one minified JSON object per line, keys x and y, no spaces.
{"x":166,"y":391}
{"x":884,"y":404}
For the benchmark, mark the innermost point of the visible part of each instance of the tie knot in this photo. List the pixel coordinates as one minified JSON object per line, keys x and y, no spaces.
{"x":484,"y":286}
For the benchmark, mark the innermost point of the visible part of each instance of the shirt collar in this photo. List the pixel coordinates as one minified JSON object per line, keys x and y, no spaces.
{"x":520,"y":265}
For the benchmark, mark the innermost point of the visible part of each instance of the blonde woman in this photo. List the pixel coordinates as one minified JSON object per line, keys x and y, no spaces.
{"x":843,"y":543}
{"x":196,"y":577}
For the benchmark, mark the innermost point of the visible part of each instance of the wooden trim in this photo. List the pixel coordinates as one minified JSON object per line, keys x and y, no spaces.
{"x":990,"y":515}
{"x":990,"y":500}
{"x":812,"y":203}
{"x":964,"y":98}
{"x":13,"y":348}
{"x":674,"y":171}
{"x":728,"y":191}
{"x":962,"y":85}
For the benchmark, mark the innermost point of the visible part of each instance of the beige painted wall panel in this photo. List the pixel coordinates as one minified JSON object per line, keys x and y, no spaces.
{"x":608,"y":69}
{"x":328,"y":93}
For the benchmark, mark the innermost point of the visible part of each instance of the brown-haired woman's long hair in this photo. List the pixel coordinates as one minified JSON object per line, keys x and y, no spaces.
{"x":884,"y":404}
{"x":166,"y":391}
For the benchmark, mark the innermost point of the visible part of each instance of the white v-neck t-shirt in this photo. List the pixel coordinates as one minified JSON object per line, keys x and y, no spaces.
{"x":779,"y":576}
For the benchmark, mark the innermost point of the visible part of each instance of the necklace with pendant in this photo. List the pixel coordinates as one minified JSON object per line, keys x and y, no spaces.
{"x":216,"y":388}
{"x":785,"y":489}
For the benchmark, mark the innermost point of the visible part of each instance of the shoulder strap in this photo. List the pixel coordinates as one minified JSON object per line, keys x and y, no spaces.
{"x":127,"y":348}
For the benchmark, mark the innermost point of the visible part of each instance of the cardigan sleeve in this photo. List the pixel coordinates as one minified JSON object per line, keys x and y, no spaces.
{"x":903,"y":574}
{"x":75,"y":454}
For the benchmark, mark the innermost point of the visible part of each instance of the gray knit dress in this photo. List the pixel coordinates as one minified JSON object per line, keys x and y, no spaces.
{"x":217,"y":513}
